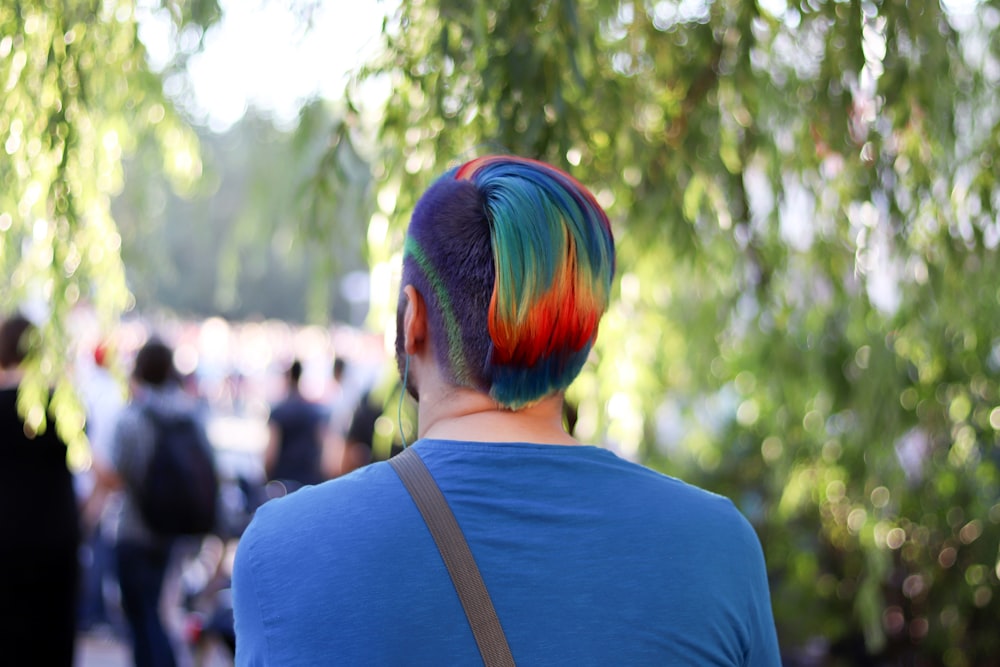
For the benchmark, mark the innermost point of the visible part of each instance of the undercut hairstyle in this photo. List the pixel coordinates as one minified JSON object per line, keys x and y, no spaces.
{"x":514,"y":259}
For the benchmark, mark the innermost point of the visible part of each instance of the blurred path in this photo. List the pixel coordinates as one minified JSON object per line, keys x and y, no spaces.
{"x":94,"y":650}
{"x":100,"y":651}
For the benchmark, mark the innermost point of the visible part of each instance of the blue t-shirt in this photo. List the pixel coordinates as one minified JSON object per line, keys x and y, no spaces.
{"x":589,"y":560}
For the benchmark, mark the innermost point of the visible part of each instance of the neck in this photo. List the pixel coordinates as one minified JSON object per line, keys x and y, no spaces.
{"x":463,"y":414}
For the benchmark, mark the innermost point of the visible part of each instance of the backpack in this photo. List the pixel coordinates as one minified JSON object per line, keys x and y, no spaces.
{"x":178,"y":493}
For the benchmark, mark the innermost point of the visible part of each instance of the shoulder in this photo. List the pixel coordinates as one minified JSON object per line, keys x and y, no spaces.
{"x":279,"y":409}
{"x":314,"y":539}
{"x":130,"y":420}
{"x":672,"y":505}
{"x":717,"y":534}
{"x":339,"y":510}
{"x":292,"y":542}
{"x":709,"y":511}
{"x":642,"y":483}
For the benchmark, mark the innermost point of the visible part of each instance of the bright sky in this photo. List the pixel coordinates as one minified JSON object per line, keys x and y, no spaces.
{"x":259,"y":54}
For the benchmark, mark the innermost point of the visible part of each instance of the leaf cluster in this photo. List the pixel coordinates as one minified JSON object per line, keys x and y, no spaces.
{"x":77,"y":94}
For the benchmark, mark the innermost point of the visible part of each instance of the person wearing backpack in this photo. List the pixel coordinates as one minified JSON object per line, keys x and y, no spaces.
{"x":165,"y":467}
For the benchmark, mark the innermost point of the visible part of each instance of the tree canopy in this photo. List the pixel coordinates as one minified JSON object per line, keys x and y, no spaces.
{"x":805,"y":208}
{"x":276,"y":214}
{"x":78,"y":94}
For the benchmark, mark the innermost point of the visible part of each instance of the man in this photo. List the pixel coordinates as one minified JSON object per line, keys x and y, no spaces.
{"x":588,"y":559}
{"x":143,"y":555}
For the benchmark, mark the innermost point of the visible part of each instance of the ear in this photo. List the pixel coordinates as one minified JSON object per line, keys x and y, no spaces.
{"x":414,"y":321}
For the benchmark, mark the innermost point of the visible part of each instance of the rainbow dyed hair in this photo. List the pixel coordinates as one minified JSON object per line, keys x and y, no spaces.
{"x":514,"y":259}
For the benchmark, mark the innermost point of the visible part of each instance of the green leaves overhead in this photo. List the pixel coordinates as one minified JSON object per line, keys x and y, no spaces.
{"x":77,"y":94}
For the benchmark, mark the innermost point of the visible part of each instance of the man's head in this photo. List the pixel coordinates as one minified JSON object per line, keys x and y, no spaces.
{"x":154,"y":364}
{"x":513,"y":259}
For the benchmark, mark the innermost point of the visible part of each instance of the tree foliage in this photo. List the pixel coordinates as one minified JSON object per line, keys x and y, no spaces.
{"x":277,"y":217}
{"x":805,"y":207}
{"x":77,"y":94}
{"x":806,"y":217}
{"x":82,"y":103}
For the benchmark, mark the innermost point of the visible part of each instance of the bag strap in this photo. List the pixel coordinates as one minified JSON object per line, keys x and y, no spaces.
{"x":457,"y":557}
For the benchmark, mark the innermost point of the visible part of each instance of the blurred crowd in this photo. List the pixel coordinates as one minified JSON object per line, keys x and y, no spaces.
{"x":283,"y":406}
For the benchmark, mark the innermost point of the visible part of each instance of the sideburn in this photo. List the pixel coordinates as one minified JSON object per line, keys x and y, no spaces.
{"x":405,"y":376}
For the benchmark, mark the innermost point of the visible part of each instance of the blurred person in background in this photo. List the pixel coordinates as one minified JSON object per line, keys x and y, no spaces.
{"x":341,"y":402}
{"x":587,"y":558}
{"x":103,"y":397}
{"x":143,"y":555}
{"x":339,"y":407}
{"x":360,"y":438}
{"x":353,"y":412}
{"x":39,"y":525}
{"x":297,"y":431}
